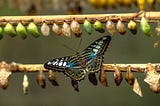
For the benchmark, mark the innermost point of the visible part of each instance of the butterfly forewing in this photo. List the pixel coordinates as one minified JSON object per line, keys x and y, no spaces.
{"x":89,"y":60}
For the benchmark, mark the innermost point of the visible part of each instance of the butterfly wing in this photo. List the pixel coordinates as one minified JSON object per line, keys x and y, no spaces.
{"x":93,"y":54}
{"x":69,"y":65}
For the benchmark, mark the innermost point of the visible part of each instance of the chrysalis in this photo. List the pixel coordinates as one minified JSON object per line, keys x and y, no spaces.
{"x":87,"y":26}
{"x":145,"y":27}
{"x":129,"y":76}
{"x":56,"y":29}
{"x":45,"y":29}
{"x":98,"y":26}
{"x":141,"y":4}
{"x":25,"y":84}
{"x":21,"y":30}
{"x":92,"y":78}
{"x":102,"y":78}
{"x":157,"y":29}
{"x":76,"y":29}
{"x":75,"y":85}
{"x":41,"y":79}
{"x":1,"y":33}
{"x":120,"y":27}
{"x":66,"y":29}
{"x":152,"y":78}
{"x":151,"y":4}
{"x":137,"y":88}
{"x":127,"y":3}
{"x":117,"y":76}
{"x":9,"y":29}
{"x":132,"y":26}
{"x":110,"y":27}
{"x":33,"y":30}
{"x":5,"y":74}
{"x":52,"y":78}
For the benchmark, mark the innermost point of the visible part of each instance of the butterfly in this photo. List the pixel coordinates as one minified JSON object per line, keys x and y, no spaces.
{"x":87,"y":61}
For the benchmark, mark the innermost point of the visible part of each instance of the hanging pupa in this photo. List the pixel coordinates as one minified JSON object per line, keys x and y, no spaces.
{"x":75,"y":85}
{"x":151,"y":4}
{"x":25,"y":84}
{"x":76,"y":28}
{"x":1,"y":33}
{"x":52,"y":78}
{"x":110,"y":27}
{"x":41,"y":79}
{"x":145,"y":27}
{"x":87,"y":26}
{"x":102,"y":78}
{"x":152,"y":78}
{"x":45,"y":29}
{"x":98,"y":26}
{"x":56,"y":29}
{"x":141,"y":4}
{"x":9,"y":29}
{"x":92,"y":78}
{"x":132,"y":26}
{"x":157,"y":29}
{"x":120,"y":27}
{"x":33,"y":30}
{"x":117,"y":76}
{"x":129,"y":76}
{"x":127,"y":3}
{"x":137,"y":88}
{"x":66,"y":29}
{"x":21,"y":30}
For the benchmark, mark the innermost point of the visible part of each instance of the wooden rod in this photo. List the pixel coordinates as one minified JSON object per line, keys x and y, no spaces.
{"x":16,"y":67}
{"x":59,"y":19}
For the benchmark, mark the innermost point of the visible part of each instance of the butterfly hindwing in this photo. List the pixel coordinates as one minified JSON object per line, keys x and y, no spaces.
{"x":76,"y":66}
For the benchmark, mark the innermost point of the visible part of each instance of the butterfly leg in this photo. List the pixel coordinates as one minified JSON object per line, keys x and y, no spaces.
{"x":75,"y":85}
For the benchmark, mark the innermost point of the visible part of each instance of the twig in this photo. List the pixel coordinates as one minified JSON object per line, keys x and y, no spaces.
{"x":16,"y":67}
{"x":59,"y":19}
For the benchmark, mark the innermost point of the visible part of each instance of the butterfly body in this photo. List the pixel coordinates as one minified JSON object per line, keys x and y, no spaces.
{"x":87,"y":61}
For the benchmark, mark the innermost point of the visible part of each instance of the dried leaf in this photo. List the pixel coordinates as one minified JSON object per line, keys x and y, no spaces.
{"x":75,"y":85}
{"x":92,"y":78}
{"x":152,"y":78}
{"x":52,"y":78}
{"x":25,"y":84}
{"x":137,"y":88}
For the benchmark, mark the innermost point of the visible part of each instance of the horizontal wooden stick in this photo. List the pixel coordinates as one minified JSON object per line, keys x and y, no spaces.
{"x":59,"y":19}
{"x":16,"y":67}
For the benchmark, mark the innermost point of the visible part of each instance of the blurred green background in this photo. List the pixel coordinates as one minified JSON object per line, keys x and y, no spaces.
{"x":122,"y":49}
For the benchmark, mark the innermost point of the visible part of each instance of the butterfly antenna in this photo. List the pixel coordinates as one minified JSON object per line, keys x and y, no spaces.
{"x":79,"y":44}
{"x":69,"y":48}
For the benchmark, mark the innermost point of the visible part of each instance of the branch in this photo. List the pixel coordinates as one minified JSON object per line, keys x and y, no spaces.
{"x":59,"y":19}
{"x":17,"y":67}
